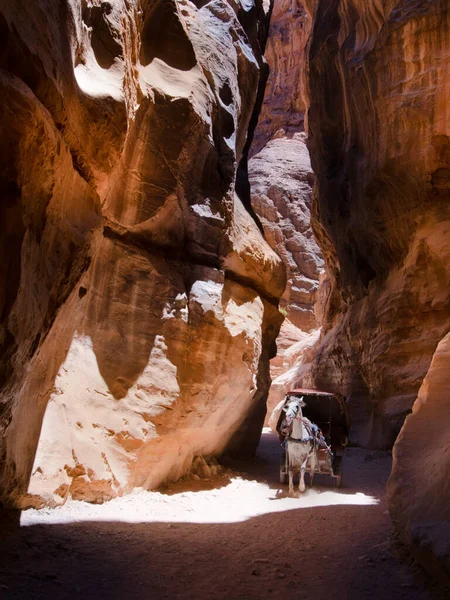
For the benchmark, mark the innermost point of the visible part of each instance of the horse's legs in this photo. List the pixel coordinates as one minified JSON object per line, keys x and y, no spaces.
{"x":291,"y":481}
{"x":301,"y":482}
{"x":290,"y":471}
{"x":312,"y":469}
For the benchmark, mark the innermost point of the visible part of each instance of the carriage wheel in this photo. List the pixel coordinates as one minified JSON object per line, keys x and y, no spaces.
{"x":284,"y":475}
{"x":337,"y":470}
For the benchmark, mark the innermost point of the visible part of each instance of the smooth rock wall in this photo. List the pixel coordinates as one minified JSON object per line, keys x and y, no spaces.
{"x":140,"y":299}
{"x":419,"y":487}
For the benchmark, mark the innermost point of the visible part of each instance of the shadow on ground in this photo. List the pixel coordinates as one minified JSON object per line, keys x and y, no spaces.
{"x":325,"y":552}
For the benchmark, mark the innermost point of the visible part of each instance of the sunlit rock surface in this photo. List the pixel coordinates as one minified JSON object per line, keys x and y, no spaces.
{"x":419,"y":489}
{"x":139,"y":297}
{"x":293,"y":368}
{"x":285,"y":99}
{"x":281,"y":195}
{"x":282,"y":184}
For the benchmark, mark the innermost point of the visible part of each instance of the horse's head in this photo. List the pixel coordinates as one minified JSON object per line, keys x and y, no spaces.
{"x":294,"y":406}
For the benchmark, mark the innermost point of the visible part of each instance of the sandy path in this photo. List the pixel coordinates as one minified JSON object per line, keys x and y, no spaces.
{"x":241,"y":538}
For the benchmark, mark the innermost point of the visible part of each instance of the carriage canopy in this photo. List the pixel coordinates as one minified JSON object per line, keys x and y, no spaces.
{"x":327,"y":410}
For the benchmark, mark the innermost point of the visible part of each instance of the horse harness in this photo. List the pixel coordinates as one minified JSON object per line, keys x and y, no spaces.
{"x":312,"y":438}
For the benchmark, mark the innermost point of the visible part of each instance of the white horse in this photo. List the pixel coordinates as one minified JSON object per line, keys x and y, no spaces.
{"x":301,"y":450}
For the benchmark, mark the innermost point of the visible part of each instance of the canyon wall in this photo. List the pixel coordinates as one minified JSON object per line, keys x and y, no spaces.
{"x":281,"y":194}
{"x":419,"y":488}
{"x":282,"y":183}
{"x":285,"y":101}
{"x":139,"y":298}
{"x":378,"y":135}
{"x":378,"y":127}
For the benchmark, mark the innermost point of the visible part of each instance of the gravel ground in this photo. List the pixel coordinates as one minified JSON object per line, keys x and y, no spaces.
{"x":237,"y":536}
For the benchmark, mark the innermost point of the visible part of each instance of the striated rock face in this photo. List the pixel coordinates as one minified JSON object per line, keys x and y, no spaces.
{"x":281,"y":182}
{"x":282,"y":186}
{"x":139,"y":305}
{"x":419,"y":488}
{"x":285,"y":100}
{"x":293,"y":368}
{"x":379,"y":128}
{"x":378,"y":136}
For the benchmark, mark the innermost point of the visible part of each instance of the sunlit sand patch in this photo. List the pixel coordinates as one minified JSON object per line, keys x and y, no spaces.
{"x":237,"y":502}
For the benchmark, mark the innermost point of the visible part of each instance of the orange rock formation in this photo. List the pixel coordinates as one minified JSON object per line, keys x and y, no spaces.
{"x":378,"y":134}
{"x":282,"y":184}
{"x":138,"y":295}
{"x":139,"y":298}
{"x":419,"y":485}
{"x":379,"y":127}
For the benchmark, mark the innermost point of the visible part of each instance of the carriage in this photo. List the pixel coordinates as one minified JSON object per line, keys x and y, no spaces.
{"x":330,"y":413}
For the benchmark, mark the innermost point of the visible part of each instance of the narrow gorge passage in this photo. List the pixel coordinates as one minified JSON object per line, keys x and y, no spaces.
{"x":205,"y":204}
{"x":237,"y":536}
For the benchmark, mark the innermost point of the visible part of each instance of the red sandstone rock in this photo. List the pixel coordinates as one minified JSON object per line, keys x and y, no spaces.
{"x":419,"y":490}
{"x":281,"y":194}
{"x":379,"y":132}
{"x":139,"y":309}
{"x":294,"y":368}
{"x":285,"y":99}
{"x":378,"y":136}
{"x":282,"y":182}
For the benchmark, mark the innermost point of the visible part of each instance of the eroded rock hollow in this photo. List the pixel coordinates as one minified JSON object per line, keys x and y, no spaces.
{"x":139,"y":297}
